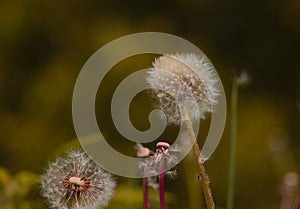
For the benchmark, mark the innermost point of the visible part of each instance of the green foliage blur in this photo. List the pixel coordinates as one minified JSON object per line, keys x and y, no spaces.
{"x":44,"y":44}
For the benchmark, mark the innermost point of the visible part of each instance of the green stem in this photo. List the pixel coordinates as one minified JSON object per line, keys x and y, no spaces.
{"x":232,"y":146}
{"x":203,"y":174}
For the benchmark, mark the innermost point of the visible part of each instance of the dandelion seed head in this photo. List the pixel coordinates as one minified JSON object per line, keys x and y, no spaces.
{"x":243,"y":79}
{"x":184,"y":80}
{"x":164,"y":154}
{"x":76,"y":181}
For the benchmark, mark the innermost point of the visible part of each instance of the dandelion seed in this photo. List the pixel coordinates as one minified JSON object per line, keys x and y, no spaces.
{"x":76,"y":181}
{"x":177,"y":80}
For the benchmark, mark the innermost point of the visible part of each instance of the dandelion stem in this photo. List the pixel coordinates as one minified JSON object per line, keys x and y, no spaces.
{"x":162,"y":186}
{"x":195,"y":193}
{"x":146,"y":196}
{"x":203,"y":174}
{"x":232,"y":145}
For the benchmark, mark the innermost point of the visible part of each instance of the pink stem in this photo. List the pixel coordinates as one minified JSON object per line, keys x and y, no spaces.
{"x":298,"y":203}
{"x":146,"y":196}
{"x":162,"y":187}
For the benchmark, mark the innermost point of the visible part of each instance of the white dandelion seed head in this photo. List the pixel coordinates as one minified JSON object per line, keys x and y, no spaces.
{"x":184,"y":80}
{"x":76,"y":181}
{"x":243,"y":79}
{"x":151,"y":166}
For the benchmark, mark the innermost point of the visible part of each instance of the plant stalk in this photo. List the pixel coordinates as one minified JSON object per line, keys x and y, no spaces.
{"x":162,"y":186}
{"x":146,"y":195}
{"x":195,"y":193}
{"x":203,"y":174}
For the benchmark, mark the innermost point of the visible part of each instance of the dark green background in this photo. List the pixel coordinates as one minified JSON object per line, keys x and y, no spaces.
{"x":44,"y":44}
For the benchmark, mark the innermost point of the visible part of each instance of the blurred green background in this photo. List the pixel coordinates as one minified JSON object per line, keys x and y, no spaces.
{"x":44,"y":44}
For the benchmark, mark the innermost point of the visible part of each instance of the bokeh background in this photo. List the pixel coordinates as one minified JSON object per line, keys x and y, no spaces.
{"x":44,"y":44}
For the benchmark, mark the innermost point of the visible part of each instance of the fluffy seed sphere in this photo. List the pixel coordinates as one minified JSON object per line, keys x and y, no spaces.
{"x":183,"y":80}
{"x":76,"y":181}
